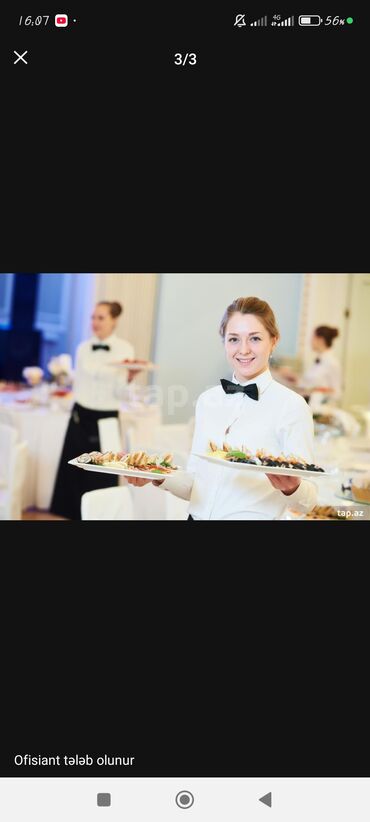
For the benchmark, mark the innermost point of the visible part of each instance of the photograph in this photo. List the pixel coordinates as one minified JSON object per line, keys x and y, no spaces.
{"x":184,"y":396}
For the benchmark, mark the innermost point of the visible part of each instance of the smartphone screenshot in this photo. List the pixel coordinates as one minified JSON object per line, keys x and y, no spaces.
{"x":108,"y":388}
{"x":184,"y":448}
{"x":137,"y":406}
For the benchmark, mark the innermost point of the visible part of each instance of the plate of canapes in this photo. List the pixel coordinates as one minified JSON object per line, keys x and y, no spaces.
{"x":136,"y":464}
{"x":136,"y":365}
{"x":319,"y":512}
{"x":241,"y":459}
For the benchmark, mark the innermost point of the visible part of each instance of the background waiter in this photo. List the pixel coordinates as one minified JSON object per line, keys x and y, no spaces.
{"x":97,"y":387}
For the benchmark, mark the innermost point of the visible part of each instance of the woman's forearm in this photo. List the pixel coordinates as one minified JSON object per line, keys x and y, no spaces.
{"x":304,"y":498}
{"x":180,"y":486}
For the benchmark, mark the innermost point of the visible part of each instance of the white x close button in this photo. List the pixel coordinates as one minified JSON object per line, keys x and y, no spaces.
{"x":20,"y":57}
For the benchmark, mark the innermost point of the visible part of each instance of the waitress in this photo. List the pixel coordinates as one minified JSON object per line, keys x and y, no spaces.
{"x":96,"y":389}
{"x":251,"y":410}
{"x":325,"y":373}
{"x":322,"y":381}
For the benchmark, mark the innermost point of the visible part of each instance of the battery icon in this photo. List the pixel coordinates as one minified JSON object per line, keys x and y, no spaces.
{"x":309,"y":20}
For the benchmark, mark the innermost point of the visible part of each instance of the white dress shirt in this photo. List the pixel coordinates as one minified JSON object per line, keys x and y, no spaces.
{"x":325,"y":374}
{"x":97,"y":384}
{"x":280,"y":421}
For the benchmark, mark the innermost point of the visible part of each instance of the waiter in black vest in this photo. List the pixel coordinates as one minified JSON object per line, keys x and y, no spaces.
{"x":97,"y":390}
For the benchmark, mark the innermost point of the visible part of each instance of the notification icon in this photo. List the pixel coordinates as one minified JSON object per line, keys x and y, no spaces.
{"x":61,"y":19}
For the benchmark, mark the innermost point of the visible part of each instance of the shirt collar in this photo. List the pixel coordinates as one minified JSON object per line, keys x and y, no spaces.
{"x":108,"y":340}
{"x":262,"y":381}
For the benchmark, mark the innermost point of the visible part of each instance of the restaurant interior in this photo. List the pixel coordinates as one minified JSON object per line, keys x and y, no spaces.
{"x":171,"y":321}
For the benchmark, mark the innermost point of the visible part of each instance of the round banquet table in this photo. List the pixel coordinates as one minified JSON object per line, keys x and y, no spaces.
{"x":44,"y":429}
{"x":349,"y":457}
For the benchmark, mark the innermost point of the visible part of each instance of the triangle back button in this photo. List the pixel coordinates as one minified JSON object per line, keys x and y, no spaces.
{"x":267,"y":799}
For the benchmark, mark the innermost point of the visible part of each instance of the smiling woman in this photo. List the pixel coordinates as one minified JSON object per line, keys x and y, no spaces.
{"x":255,"y":411}
{"x":250,"y":334}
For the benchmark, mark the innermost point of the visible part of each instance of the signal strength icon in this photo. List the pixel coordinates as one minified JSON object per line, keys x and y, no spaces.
{"x":261,"y":22}
{"x":289,"y":21}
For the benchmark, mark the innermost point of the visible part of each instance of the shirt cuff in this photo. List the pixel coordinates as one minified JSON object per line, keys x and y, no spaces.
{"x":180,"y":487}
{"x":304,"y":498}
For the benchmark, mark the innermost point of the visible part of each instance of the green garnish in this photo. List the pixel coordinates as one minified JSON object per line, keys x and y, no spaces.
{"x":156,"y":471}
{"x":239,"y":454}
{"x":166,"y":464}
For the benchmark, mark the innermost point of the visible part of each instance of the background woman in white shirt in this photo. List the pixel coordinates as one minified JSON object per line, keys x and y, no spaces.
{"x":324,"y":376}
{"x":96,"y":391}
{"x":268,"y":415}
{"x":325,"y":373}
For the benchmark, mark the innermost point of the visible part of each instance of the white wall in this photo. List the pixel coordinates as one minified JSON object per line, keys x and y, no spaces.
{"x":357,"y":353}
{"x":187,"y":345}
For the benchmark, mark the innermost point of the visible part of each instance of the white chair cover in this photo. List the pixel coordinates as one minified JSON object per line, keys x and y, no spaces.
{"x":151,"y":503}
{"x":6,"y":417}
{"x":107,"y":503}
{"x":176,"y":508}
{"x":11,"y":489}
{"x":8,"y":439}
{"x":109,"y":434}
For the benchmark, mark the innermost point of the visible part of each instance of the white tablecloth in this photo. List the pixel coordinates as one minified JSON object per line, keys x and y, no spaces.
{"x":350,"y":457}
{"x":44,"y":429}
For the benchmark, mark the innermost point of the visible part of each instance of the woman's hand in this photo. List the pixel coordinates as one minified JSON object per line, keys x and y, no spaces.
{"x":287,"y":374}
{"x":285,"y":484}
{"x":140,"y":482}
{"x":132,"y":374}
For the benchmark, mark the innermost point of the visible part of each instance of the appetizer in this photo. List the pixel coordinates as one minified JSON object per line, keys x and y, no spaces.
{"x":260,"y":458}
{"x":324,"y":512}
{"x":135,"y":362}
{"x":361,"y":489}
{"x":138,"y":460}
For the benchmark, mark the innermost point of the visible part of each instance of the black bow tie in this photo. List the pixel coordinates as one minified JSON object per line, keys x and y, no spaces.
{"x":317,"y":360}
{"x":100,"y":347}
{"x":233,"y":388}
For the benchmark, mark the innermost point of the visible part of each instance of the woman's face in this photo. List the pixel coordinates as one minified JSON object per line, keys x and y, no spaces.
{"x":102,"y":323}
{"x":248,"y":346}
{"x":318,"y":343}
